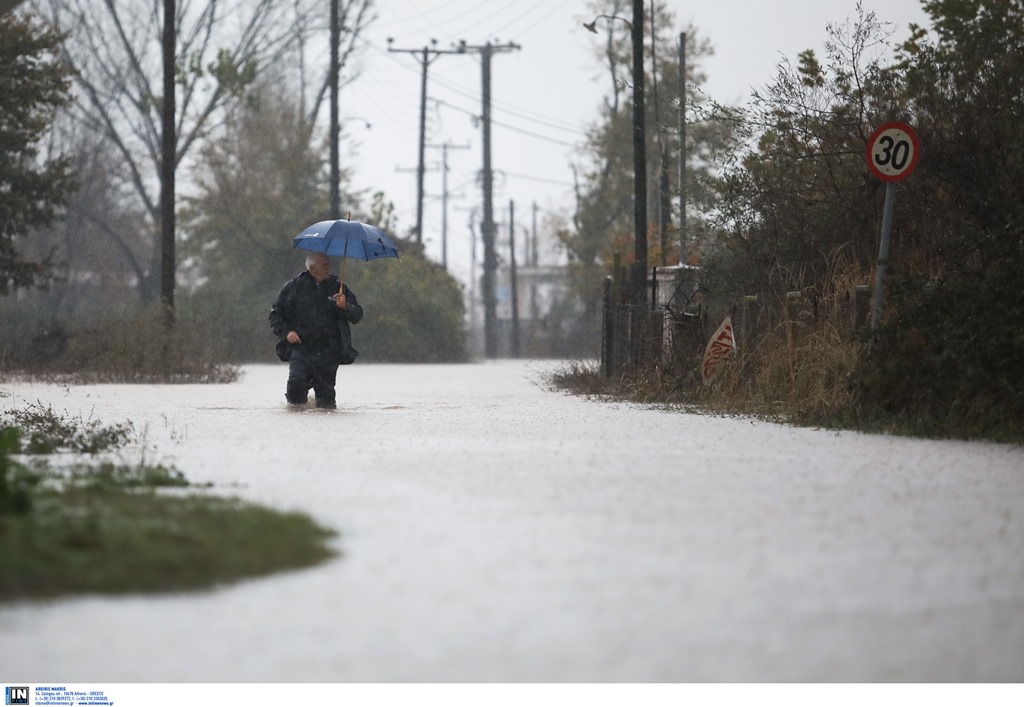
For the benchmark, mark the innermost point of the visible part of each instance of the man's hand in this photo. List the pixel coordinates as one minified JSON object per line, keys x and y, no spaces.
{"x":293,"y":338}
{"x":339,"y":299}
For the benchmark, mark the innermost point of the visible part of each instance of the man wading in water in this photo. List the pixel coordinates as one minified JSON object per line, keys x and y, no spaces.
{"x":311,"y":320}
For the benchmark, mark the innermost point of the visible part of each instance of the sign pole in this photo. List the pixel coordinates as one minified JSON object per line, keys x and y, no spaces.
{"x":892,"y":153}
{"x":883,"y":255}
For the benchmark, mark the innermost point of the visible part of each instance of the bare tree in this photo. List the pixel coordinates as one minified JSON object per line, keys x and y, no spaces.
{"x":221,"y":45}
{"x":353,"y":18}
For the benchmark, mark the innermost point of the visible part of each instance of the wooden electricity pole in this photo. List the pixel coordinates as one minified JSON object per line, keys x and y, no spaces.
{"x":335,"y":70}
{"x":426,"y":55}
{"x":168,"y":163}
{"x":639,"y":274}
{"x":487,"y":227}
{"x":444,"y":196}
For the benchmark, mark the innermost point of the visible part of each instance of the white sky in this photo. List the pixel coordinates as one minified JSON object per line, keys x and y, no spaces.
{"x":543,"y":95}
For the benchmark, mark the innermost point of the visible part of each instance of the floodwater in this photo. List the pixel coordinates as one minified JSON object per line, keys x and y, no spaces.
{"x":491,"y":529}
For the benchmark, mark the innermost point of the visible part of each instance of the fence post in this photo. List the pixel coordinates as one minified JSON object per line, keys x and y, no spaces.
{"x":608,"y":328}
{"x":793,"y":301}
{"x":746,"y":325}
{"x":861,"y":302}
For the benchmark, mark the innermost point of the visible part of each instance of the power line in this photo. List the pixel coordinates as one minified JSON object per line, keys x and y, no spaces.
{"x":538,"y":179}
{"x":506,"y":125}
{"x":556,"y":141}
{"x":435,"y":9}
{"x":517,"y":111}
{"x":554,"y":8}
{"x":492,"y":16}
{"x":551,"y":123}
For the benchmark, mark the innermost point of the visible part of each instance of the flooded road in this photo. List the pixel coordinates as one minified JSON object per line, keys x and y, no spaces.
{"x":491,"y":529}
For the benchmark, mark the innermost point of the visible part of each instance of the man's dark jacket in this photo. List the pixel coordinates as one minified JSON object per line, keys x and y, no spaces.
{"x":304,"y":305}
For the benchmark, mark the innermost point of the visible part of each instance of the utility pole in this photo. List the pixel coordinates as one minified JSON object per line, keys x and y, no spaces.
{"x":534,"y":314}
{"x":426,"y":55}
{"x":473,"y":323}
{"x":638,"y":277}
{"x":682,"y":147}
{"x":639,"y":274}
{"x":664,"y":199}
{"x":168,"y":163}
{"x":487,"y":227}
{"x":335,"y":123}
{"x":514,"y":285}
{"x":444,"y":196}
{"x":533,"y":236}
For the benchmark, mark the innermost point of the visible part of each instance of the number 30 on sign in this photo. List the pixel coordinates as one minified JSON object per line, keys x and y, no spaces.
{"x":893,"y":151}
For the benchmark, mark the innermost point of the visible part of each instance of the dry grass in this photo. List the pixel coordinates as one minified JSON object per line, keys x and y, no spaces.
{"x":795,"y":364}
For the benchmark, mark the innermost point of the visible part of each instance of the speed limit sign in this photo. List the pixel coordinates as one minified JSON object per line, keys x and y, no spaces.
{"x":893,"y":151}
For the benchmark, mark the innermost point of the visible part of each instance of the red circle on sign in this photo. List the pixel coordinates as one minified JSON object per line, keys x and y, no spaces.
{"x":893,"y":151}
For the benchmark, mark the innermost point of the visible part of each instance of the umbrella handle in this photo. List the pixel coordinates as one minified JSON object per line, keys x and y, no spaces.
{"x":344,"y":260}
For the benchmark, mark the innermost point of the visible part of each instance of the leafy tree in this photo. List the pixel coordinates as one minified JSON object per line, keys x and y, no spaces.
{"x":88,"y":275}
{"x":33,"y":184}
{"x":259,"y":185}
{"x":802,"y":199}
{"x":414,"y":310}
{"x":800,"y":210}
{"x":602,"y":226}
{"x":953,"y":343}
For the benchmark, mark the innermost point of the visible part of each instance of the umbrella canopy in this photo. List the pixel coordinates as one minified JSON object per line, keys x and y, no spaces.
{"x":349,"y":239}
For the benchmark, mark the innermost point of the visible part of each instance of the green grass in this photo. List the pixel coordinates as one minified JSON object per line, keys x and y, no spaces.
{"x":95,"y":526}
{"x":116,"y":541}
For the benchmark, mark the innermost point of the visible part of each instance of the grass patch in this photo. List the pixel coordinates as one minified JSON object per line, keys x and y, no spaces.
{"x":99,"y":526}
{"x":114,"y":541}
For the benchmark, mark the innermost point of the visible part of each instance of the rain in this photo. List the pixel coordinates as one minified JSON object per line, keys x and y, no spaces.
{"x":706,"y":365}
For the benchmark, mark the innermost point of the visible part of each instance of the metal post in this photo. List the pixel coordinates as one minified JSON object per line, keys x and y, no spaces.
{"x":883,"y":256}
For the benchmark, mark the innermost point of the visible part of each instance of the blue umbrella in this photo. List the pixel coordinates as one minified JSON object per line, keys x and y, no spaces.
{"x":349,"y":239}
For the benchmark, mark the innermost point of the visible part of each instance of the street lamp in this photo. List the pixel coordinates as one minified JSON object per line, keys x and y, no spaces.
{"x":366,"y":123}
{"x":639,"y":274}
{"x":592,"y":26}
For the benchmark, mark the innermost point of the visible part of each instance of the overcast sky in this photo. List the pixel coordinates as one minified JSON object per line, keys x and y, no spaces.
{"x":544,"y":93}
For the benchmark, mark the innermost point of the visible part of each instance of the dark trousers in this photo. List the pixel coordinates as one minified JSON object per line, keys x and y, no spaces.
{"x":311,"y":369}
